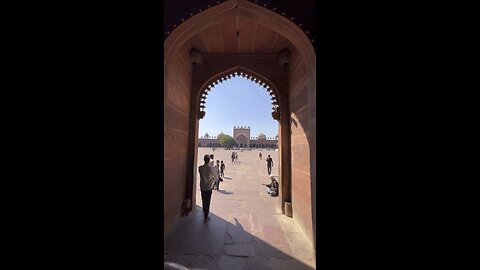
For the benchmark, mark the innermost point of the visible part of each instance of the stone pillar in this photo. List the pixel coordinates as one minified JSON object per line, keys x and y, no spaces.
{"x":285,"y":157}
{"x":283,"y":113}
{"x":190,"y":194}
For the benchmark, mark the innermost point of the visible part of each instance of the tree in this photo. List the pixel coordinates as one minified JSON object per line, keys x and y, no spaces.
{"x":227,"y":140}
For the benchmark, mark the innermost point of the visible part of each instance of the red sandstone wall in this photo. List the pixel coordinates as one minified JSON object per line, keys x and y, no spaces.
{"x":300,"y":149}
{"x":176,"y":124}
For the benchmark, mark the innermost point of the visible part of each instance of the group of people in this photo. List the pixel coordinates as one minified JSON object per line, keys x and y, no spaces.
{"x":219,"y":169}
{"x":234,"y":156}
{"x":210,"y":177}
{"x":273,"y":186}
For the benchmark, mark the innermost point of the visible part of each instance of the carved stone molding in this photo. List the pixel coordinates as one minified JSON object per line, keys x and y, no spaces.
{"x":248,"y":76}
{"x":284,"y":57}
{"x":195,"y":57}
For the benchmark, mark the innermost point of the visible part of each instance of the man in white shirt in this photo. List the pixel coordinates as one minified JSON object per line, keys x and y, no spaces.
{"x":208,"y":177}
{"x":212,"y":161}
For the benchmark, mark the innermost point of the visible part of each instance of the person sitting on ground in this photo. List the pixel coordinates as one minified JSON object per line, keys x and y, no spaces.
{"x":273,"y":187}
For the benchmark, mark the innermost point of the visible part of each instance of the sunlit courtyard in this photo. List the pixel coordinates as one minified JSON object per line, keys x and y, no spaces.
{"x":247,"y":228}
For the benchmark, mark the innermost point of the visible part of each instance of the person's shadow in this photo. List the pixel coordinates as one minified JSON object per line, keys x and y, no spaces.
{"x":225,"y":192}
{"x":237,"y":225}
{"x":224,"y":177}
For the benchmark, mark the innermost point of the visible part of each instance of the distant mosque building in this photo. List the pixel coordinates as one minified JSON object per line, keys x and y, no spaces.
{"x":242,"y":136}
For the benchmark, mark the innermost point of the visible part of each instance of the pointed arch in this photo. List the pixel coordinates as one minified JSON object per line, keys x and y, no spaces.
{"x":238,"y":71}
{"x":297,"y":99}
{"x":266,"y":17}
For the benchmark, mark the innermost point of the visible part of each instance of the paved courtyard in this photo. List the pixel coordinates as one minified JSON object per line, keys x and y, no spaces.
{"x":247,"y":229}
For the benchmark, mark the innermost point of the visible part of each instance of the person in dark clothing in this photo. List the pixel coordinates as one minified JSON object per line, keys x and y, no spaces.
{"x":269,"y":164}
{"x":222,"y":168}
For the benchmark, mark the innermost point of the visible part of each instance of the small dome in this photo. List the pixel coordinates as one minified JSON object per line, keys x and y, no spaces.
{"x":262,"y":136}
{"x":220,"y":134}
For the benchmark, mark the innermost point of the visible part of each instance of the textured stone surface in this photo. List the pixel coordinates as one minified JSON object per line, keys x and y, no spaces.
{"x":299,"y":83}
{"x":176,"y":127}
{"x":242,"y":250}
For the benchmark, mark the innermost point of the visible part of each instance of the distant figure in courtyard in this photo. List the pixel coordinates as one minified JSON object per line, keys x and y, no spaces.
{"x":222,"y":168}
{"x":260,"y":155}
{"x":208,"y":177}
{"x":269,"y":164}
{"x":233,"y":156}
{"x":219,"y":179}
{"x":236,"y":157}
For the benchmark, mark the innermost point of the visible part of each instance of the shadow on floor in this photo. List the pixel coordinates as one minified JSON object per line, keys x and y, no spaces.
{"x":224,"y":177}
{"x":225,"y":192}
{"x":222,"y":244}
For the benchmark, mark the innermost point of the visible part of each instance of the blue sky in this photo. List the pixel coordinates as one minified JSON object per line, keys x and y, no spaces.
{"x":238,"y":102}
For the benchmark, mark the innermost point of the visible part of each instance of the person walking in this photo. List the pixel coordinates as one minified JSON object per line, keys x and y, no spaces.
{"x":236,"y":157}
{"x":260,"y":155}
{"x":269,"y":164}
{"x":222,"y":168}
{"x":233,"y":156}
{"x":208,"y":177}
{"x":217,"y":171}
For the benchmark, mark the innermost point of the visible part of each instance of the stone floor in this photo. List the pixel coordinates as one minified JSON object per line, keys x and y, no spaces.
{"x":247,"y":229}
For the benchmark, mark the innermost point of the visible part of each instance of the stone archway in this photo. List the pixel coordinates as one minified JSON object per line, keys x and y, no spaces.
{"x":241,"y":140}
{"x":267,"y":70}
{"x":260,"y":33}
